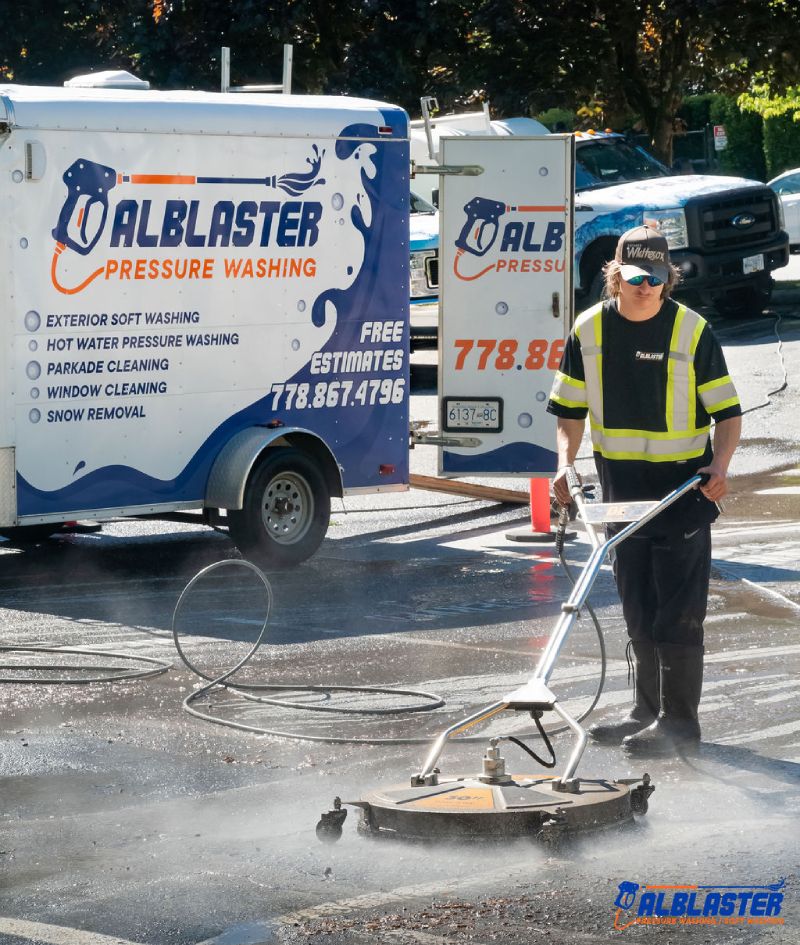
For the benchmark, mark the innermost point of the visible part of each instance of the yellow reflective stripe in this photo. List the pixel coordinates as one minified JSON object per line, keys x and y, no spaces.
{"x":579,"y":404}
{"x":711,"y":385}
{"x":644,"y":444}
{"x":592,"y":321}
{"x":681,"y":398}
{"x":564,"y":380}
{"x":674,"y":345}
{"x":652,"y":434}
{"x":718,"y":394}
{"x":691,"y":396}
{"x":565,"y":389}
{"x":649,"y":457}
{"x":731,"y":402}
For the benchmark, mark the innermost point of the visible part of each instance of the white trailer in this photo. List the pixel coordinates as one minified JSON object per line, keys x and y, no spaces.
{"x":205,"y":305}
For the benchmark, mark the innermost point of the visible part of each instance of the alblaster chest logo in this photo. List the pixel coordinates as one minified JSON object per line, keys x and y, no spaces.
{"x":148,"y":221}
{"x":687,"y":904}
{"x":649,"y":355}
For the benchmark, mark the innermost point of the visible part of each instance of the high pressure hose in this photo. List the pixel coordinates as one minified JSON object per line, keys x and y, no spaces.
{"x":110,"y":673}
{"x":250,"y":691}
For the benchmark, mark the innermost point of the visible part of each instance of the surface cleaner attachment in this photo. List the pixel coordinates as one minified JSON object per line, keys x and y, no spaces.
{"x":493,"y":804}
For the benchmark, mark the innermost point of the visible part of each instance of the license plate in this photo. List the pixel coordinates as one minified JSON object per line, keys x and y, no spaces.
{"x":466,"y":413}
{"x":753,"y":263}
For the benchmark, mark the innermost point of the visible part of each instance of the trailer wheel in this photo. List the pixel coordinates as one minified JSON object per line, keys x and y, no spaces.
{"x":287,"y":507}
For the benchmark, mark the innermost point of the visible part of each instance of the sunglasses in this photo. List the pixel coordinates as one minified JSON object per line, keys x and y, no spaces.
{"x":651,"y":280}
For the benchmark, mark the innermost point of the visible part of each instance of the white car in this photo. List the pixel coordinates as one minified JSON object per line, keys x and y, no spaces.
{"x":787,"y":187}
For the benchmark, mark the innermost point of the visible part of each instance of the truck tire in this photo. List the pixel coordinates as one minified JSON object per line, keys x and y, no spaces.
{"x":746,"y":302}
{"x":286,"y":511}
{"x":594,"y":259}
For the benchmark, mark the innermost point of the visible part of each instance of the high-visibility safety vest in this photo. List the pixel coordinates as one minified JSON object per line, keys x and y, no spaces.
{"x":682,"y":439}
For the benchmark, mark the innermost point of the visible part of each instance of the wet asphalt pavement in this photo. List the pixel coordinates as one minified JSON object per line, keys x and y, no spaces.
{"x":125,"y":819}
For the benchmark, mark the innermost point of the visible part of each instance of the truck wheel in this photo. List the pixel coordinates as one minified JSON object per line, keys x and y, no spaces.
{"x":286,"y":510}
{"x":594,"y":259}
{"x":596,"y":288}
{"x":746,"y":302}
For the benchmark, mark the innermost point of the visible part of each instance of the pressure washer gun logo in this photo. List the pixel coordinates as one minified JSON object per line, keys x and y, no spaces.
{"x":481,"y":226}
{"x":626,"y":895}
{"x":687,"y":904}
{"x":83,"y":216}
{"x":86,"y":208}
{"x":523,"y":238}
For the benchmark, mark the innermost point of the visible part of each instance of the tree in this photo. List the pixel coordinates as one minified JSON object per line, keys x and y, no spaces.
{"x":659,"y":50}
{"x":61,"y":38}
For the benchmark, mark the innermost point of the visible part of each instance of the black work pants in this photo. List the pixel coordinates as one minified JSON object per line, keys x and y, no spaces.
{"x":663,"y":584}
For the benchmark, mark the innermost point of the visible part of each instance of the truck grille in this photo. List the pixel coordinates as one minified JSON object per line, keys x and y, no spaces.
{"x":733,"y":220}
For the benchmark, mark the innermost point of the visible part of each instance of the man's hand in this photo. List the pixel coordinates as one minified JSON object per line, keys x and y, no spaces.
{"x":726,"y":438}
{"x":568,"y":439}
{"x":560,"y":487}
{"x":717,"y":486}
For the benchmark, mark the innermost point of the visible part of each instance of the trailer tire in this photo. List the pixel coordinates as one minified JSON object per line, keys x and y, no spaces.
{"x":286,"y":510}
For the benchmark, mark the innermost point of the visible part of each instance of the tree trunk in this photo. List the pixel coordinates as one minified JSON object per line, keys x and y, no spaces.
{"x":661,"y":140}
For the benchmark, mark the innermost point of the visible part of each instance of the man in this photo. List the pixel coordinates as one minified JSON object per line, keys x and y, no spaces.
{"x":652,"y":377}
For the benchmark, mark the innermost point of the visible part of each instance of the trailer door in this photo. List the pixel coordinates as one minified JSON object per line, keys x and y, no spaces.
{"x":506,"y":301}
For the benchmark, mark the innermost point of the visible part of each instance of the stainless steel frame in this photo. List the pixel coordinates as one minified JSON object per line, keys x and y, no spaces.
{"x":535,"y":694}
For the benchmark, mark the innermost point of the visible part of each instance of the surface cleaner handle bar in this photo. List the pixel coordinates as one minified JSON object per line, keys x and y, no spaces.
{"x":582,"y":587}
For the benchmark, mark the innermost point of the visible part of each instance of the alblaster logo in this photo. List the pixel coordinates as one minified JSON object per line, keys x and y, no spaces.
{"x":176,"y":223}
{"x":521,"y":241}
{"x":646,"y":904}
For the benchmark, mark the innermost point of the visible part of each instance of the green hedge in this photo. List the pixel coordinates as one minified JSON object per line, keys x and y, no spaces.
{"x":781,"y":144}
{"x":744,"y":155}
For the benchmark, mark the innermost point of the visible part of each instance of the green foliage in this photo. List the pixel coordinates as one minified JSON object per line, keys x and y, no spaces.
{"x":744,"y":155}
{"x":781,"y":115}
{"x":558,"y":119}
{"x":617,"y":57}
{"x":762,"y":100}
{"x":781,"y":144}
{"x":695,"y":110}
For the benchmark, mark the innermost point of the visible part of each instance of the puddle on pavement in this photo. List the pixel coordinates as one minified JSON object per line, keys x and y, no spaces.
{"x":739,"y":597}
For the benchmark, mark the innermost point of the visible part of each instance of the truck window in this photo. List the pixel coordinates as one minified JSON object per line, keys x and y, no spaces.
{"x":613,"y":161}
{"x":420,"y":205}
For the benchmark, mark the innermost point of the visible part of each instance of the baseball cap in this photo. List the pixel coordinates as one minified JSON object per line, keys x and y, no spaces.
{"x":643,"y":251}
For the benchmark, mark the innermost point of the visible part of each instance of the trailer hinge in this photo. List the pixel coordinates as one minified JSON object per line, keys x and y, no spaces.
{"x":419,"y":437}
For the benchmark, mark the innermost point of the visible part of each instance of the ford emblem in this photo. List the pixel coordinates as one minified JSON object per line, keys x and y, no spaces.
{"x":742,"y":220}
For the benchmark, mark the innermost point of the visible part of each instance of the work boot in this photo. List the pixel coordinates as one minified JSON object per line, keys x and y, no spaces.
{"x":681,"y":669}
{"x":645,"y":697}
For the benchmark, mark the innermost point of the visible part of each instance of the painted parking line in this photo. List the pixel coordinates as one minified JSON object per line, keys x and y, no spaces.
{"x":44,"y":934}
